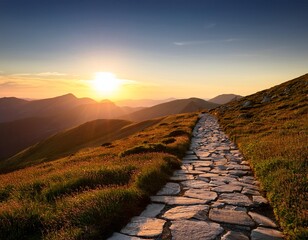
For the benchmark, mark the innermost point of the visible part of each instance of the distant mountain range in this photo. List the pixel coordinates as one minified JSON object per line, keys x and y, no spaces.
{"x":225,"y":98}
{"x":24,"y":123}
{"x":168,"y":108}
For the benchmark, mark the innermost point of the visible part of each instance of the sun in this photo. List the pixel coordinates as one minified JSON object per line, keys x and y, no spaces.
{"x":106,"y":83}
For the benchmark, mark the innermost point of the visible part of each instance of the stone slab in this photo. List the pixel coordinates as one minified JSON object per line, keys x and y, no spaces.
{"x":203,"y":194}
{"x":181,"y":177}
{"x":261,"y":233}
{"x":196,"y":184}
{"x":119,"y":236}
{"x":152,"y":210}
{"x":189,"y":229}
{"x":187,"y":212}
{"x":171,"y":200}
{"x":227,"y":188}
{"x":231,"y":217}
{"x":209,"y":175}
{"x":259,"y":200}
{"x":190,"y":157}
{"x":170,"y":189}
{"x":237,"y":199}
{"x":232,"y":235}
{"x":262,"y":220}
{"x":144,"y":227}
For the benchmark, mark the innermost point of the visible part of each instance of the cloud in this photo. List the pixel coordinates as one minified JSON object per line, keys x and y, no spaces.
{"x":48,"y":74}
{"x":210,"y":25}
{"x":42,"y":74}
{"x":190,"y":43}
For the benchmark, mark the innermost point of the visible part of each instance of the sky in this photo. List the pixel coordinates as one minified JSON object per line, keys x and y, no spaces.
{"x":151,"y":48}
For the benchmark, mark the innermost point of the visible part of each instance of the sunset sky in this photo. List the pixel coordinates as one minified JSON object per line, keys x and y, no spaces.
{"x":150,"y":48}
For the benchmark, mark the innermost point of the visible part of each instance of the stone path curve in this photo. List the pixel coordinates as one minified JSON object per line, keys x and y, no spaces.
{"x":213,"y":196}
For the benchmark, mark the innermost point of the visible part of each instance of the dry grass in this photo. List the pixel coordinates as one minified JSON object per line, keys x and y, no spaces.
{"x":93,"y":192}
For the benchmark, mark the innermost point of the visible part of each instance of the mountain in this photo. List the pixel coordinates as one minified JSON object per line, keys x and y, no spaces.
{"x":12,"y":108}
{"x":168,"y":108}
{"x":225,"y":98}
{"x":142,"y":102}
{"x":23,"y":123}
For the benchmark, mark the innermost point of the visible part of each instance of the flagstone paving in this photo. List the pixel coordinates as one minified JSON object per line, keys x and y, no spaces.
{"x":213,"y":196}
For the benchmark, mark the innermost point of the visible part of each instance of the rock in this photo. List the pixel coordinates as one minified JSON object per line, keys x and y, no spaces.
{"x":202,"y":154}
{"x":238,"y":173}
{"x":203,"y":164}
{"x":196,"y":184}
{"x":237,"y":199}
{"x":203,"y":169}
{"x":188,"y":229}
{"x":217,"y":183}
{"x":232,"y":235}
{"x":152,"y":210}
{"x":262,"y":220}
{"x":259,"y":200}
{"x":201,"y":194}
{"x":190,"y":157}
{"x":231,"y":216}
{"x":266,"y":99}
{"x":144,"y":227}
{"x":261,"y":233}
{"x":237,"y":167}
{"x":225,"y":179}
{"x":208,"y":175}
{"x":250,"y":191}
{"x":190,"y":152}
{"x":181,"y":177}
{"x":187,"y":212}
{"x":223,"y":148}
{"x":119,"y":236}
{"x":170,"y":189}
{"x":247,"y":104}
{"x":227,"y":188}
{"x":171,"y":200}
{"x":192,"y":172}
{"x":250,"y":186}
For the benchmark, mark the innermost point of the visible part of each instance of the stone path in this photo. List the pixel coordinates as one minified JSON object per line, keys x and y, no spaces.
{"x":213,"y":196}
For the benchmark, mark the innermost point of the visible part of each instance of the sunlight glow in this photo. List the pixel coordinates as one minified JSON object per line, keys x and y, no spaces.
{"x":106,"y":83}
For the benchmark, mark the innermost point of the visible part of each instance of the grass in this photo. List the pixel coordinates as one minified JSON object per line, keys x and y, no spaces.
{"x":95,"y":191}
{"x":273,"y":136}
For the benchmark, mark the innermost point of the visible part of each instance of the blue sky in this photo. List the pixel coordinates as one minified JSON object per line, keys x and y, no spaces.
{"x":169,"y":48}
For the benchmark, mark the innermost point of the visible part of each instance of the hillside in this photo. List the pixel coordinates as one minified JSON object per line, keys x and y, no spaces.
{"x":90,"y":134}
{"x":141,"y":102}
{"x":168,"y":108}
{"x":95,"y":191}
{"x":225,"y":98}
{"x":271,"y":129}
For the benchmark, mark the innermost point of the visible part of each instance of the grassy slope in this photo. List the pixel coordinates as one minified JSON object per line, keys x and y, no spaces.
{"x":95,"y":191}
{"x":90,"y":134}
{"x":273,"y":136}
